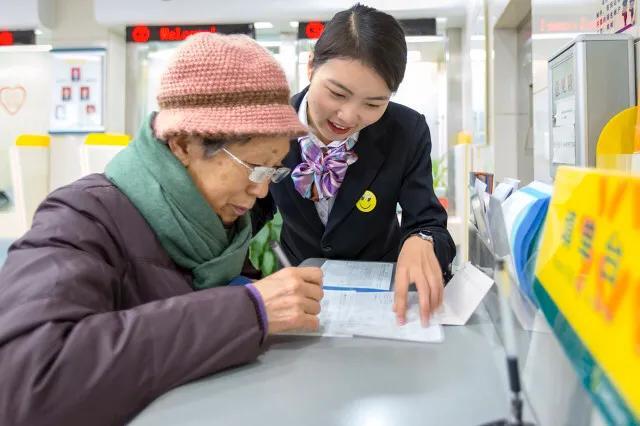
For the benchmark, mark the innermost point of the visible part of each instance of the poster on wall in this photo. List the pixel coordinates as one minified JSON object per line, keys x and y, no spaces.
{"x":615,"y":16}
{"x":78,"y":91}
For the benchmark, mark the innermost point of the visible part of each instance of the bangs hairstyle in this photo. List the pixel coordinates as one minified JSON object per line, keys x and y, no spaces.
{"x":368,"y":35}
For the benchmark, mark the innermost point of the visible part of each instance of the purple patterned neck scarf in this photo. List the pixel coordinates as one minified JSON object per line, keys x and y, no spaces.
{"x":325,"y":169}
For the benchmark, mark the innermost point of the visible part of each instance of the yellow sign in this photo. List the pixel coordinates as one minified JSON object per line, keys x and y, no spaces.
{"x":367,"y":202}
{"x":616,"y":141}
{"x":636,"y":138}
{"x":588,"y":278}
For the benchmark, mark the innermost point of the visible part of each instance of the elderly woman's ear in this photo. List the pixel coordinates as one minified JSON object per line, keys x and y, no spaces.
{"x":183,"y":146}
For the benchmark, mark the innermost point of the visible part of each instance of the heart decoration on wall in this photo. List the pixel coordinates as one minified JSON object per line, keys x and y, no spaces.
{"x":12,"y":98}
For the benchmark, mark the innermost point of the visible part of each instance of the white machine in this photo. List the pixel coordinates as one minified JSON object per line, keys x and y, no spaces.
{"x":591,"y":79}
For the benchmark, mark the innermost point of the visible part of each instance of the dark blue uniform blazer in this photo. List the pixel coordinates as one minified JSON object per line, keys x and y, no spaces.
{"x":394,"y":163}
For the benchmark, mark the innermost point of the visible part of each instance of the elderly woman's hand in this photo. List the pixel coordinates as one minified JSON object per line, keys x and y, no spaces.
{"x":292,"y":298}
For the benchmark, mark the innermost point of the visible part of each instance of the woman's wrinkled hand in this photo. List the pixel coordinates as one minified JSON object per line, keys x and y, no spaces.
{"x":291,"y":298}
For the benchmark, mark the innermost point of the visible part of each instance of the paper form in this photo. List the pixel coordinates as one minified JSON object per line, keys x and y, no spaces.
{"x":564,"y":145}
{"x":462,"y":296}
{"x":565,"y":111}
{"x":335,"y":309}
{"x":564,"y":137}
{"x":357,"y":275}
{"x":372,"y":315}
{"x":349,"y":313}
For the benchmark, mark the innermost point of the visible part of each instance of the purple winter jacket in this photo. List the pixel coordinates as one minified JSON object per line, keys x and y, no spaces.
{"x":96,"y":320}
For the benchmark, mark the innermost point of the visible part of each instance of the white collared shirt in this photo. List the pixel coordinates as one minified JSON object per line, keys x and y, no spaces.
{"x":323,"y":206}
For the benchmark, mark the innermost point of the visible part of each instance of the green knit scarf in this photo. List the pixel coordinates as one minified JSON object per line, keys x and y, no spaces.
{"x":160,"y":187}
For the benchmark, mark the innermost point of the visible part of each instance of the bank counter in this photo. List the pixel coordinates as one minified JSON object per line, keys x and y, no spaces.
{"x":324,"y":381}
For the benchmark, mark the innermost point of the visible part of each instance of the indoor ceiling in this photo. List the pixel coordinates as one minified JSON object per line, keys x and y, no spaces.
{"x":118,"y":12}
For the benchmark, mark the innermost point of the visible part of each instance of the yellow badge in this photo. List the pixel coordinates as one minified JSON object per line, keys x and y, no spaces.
{"x":367,"y":202}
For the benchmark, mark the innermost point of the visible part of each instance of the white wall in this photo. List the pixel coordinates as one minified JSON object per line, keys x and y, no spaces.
{"x":422,"y":89}
{"x":26,"y":14}
{"x":76,"y":27}
{"x":505,"y":103}
{"x":525,"y":102}
{"x":22,"y":70}
{"x":512,"y":132}
{"x":454,"y":84}
{"x":476,"y":89}
{"x":493,"y":59}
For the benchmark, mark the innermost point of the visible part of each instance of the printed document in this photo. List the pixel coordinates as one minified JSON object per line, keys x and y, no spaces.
{"x":357,"y":275}
{"x":370,"y":314}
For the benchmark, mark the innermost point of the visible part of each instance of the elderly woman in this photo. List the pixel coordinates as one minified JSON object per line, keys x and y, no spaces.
{"x":119,"y":292}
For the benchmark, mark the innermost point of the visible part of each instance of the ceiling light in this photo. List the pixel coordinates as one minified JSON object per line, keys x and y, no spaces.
{"x":262,"y":25}
{"x":553,"y":36}
{"x":428,"y":39}
{"x":26,"y":48}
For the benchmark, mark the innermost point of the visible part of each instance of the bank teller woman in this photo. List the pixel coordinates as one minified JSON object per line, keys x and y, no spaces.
{"x":119,"y":291}
{"x":363,"y":155}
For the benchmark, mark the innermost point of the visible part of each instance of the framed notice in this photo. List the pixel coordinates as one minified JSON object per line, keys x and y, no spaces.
{"x":78,"y":91}
{"x":615,"y":16}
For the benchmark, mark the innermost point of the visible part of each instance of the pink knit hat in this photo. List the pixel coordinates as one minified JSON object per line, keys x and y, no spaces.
{"x":224,"y":86}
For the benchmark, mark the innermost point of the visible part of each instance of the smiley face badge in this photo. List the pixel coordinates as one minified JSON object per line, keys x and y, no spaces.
{"x":367,"y":202}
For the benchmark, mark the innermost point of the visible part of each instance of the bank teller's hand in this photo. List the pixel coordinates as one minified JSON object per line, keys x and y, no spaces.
{"x":291,"y":298}
{"x":418,"y":264}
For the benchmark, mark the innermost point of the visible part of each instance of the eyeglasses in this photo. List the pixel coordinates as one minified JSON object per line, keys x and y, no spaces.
{"x":260,"y":174}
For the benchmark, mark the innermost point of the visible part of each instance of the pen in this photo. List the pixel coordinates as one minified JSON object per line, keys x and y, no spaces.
{"x":275,"y":246}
